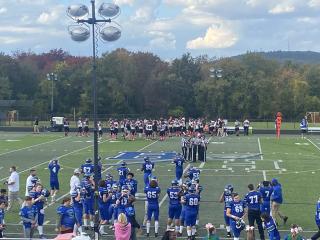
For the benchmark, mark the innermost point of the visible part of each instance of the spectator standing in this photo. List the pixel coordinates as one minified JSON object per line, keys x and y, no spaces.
{"x":304,"y":126}
{"x":246,"y":125}
{"x":36,"y":126}
{"x":13,"y":187}
{"x":122,"y":229}
{"x":237,"y":128}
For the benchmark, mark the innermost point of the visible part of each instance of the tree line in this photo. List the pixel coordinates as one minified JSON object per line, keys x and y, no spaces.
{"x":141,"y":83}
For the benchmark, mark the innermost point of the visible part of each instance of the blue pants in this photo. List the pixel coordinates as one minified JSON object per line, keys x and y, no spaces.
{"x":78,"y":214}
{"x":88,"y":206}
{"x":183,"y":216}
{"x":40,"y":217}
{"x":175,"y":211}
{"x":236,"y":232}
{"x":179,"y":174}
{"x":153,"y":210}
{"x":146,"y":178}
{"x":54,"y":184}
{"x":191,"y":218}
{"x":265,"y":208}
{"x":113,"y":211}
{"x":104,"y":211}
{"x":226,"y":218}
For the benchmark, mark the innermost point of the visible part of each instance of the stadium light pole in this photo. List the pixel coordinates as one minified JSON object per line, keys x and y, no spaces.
{"x":52,"y":77}
{"x":215,"y":73}
{"x":81,"y":32}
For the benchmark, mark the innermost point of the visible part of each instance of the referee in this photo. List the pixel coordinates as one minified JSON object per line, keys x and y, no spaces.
{"x":254,"y":200}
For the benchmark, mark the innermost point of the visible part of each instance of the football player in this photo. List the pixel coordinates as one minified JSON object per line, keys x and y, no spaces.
{"x":179,"y":161}
{"x":174,"y":212}
{"x":88,"y":186}
{"x":123,"y":170}
{"x":152,"y":192}
{"x":266,"y":190}
{"x":131,"y":183}
{"x":66,"y":217}
{"x":147,"y":168}
{"x":236,"y":211}
{"x":191,"y":201}
{"x":226,"y":197}
{"x":88,"y":167}
{"x":54,"y":168}
{"x":77,"y":203}
{"x":271,"y":226}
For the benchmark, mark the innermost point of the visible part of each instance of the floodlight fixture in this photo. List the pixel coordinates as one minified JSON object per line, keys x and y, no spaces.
{"x":79,"y":33}
{"x":110,"y":33}
{"x":77,"y":11}
{"x":109,"y":10}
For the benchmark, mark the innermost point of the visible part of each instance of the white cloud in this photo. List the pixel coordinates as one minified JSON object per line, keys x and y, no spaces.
{"x":162,"y":40}
{"x":3,"y":10}
{"x":216,"y":37}
{"x":282,"y":8}
{"x":253,"y":3}
{"x":50,"y":17}
{"x":9,"y":40}
{"x":147,"y":12}
{"x":314,"y":3}
{"x":124,"y":2}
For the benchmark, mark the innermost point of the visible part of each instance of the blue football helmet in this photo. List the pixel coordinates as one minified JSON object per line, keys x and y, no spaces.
{"x":123,"y":164}
{"x":45,"y":192}
{"x":146,"y":159}
{"x":88,"y":160}
{"x":174,"y":183}
{"x":192,"y":189}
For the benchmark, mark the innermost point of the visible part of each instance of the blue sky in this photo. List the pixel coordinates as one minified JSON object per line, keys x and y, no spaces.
{"x":170,"y":28}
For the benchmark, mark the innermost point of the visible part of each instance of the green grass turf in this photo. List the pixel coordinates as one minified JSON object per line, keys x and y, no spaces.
{"x":299,"y":180}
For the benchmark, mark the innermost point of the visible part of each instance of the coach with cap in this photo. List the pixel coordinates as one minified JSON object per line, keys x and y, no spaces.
{"x":75,"y":180}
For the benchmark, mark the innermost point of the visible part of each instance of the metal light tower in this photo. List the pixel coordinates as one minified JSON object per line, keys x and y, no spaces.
{"x":215,"y":72}
{"x":81,"y":32}
{"x":52,"y":77}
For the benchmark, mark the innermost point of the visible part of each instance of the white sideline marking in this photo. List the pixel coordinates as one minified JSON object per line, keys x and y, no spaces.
{"x":313,"y":143}
{"x":202,"y":165}
{"x":36,"y":145}
{"x":276,"y":165}
{"x":264,"y":175}
{"x":260,"y":150}
{"x":40,"y":164}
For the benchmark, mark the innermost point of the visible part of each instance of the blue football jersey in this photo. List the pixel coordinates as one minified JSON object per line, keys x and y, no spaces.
{"x":67,"y":214}
{"x":174,"y":195}
{"x":179,"y":164}
{"x":194,"y":173}
{"x":147,"y":167}
{"x":54,"y":170}
{"x":87,"y":168}
{"x":192,"y":201}
{"x":152,"y":194}
{"x":237,"y":208}
{"x":122,"y":171}
{"x":253,"y":200}
{"x":266,"y":193}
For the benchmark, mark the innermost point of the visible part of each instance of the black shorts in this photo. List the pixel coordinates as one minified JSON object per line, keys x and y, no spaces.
{"x":86,"y":129}
{"x":100,"y":132}
{"x":170,"y":129}
{"x":66,"y":129}
{"x":303,"y":130}
{"x":116,"y":131}
{"x":162,"y":133}
{"x":133,"y":131}
{"x":80,"y":129}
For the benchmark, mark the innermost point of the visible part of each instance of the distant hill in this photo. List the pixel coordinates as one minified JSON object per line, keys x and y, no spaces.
{"x":302,"y":57}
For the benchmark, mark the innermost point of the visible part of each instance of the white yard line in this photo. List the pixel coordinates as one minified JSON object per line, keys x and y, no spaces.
{"x":313,"y":144}
{"x":36,"y":145}
{"x":264,"y":175}
{"x":260,"y":150}
{"x":40,"y":164}
{"x":202,"y":165}
{"x":276,"y":165}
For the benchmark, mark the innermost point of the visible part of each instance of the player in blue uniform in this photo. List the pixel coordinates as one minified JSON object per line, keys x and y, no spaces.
{"x":191,"y":202}
{"x":179,"y":161}
{"x":54,"y":168}
{"x":185,"y":186}
{"x":38,"y":199}
{"x":317,"y":219}
{"x":226,"y":197}
{"x":110,"y":181}
{"x":88,"y":186}
{"x":88,"y":167}
{"x":253,"y":200}
{"x":147,"y":168}
{"x":131,"y":183}
{"x":174,"y":193}
{"x":193,"y":173}
{"x":152,"y":193}
{"x":77,"y":203}
{"x":266,"y":190}
{"x":29,"y":217}
{"x":271,"y":226}
{"x":236,"y":211}
{"x":113,"y":210}
{"x":122,"y":171}
{"x":124,"y":200}
{"x":2,"y":213}
{"x":66,"y":217}
{"x":104,"y":204}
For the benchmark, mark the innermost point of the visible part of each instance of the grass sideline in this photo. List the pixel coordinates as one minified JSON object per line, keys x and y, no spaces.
{"x":294,"y":161}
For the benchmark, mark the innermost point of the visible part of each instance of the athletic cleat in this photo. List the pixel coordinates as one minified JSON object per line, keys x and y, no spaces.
{"x":148,"y":235}
{"x":156,"y":235}
{"x":285,"y":219}
{"x":228,"y":235}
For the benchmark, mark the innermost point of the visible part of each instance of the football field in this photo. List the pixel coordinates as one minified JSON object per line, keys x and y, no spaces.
{"x":230,"y":160}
